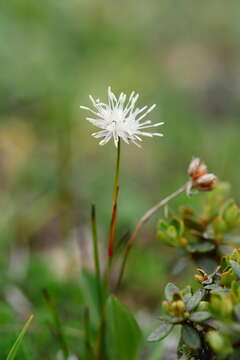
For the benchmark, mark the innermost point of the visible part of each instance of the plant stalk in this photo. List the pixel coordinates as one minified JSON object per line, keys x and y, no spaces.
{"x":96,"y":254}
{"x":112,"y":231}
{"x":57,"y":324}
{"x":140,"y":224}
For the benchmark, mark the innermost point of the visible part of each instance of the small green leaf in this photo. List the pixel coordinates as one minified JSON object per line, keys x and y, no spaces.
{"x":171,"y":232}
{"x":219,"y":343}
{"x":195,"y":300}
{"x":235,"y":267}
{"x":231,"y":213}
{"x":13,"y":352}
{"x":202,"y":247}
{"x":200,"y":316}
{"x":169,"y":291}
{"x":170,"y":319}
{"x":187,"y":293}
{"x":161,"y":332}
{"x":219,"y":225}
{"x":178,"y":225}
{"x":191,"y":337}
{"x":162,"y":225}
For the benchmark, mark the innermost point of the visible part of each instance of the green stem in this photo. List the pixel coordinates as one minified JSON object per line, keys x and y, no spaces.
{"x":57,"y":323}
{"x":140,"y":224}
{"x":96,"y":254}
{"x":100,"y":342}
{"x":100,"y":350}
{"x":88,"y":347}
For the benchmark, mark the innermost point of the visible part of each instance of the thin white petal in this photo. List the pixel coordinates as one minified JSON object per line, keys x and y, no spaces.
{"x":147,"y":112}
{"x":106,"y":139}
{"x":144,"y":133}
{"x":138,"y":145}
{"x":148,"y":126}
{"x":100,"y":133}
{"x":92,"y":111}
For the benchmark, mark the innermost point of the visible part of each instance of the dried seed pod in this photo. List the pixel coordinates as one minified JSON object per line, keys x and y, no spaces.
{"x":206,"y":182}
{"x":200,"y":178}
{"x":196,"y":168}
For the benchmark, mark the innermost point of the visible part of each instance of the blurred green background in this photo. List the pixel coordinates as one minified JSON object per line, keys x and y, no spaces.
{"x":183,"y":56}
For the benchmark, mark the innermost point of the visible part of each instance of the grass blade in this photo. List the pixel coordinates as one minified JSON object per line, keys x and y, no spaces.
{"x":13,"y":352}
{"x":96,"y":255}
{"x":56,"y":322}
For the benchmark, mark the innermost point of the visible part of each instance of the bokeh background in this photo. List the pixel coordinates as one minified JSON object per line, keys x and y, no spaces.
{"x":183,"y":56}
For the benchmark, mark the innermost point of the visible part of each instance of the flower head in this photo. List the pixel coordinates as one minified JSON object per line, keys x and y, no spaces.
{"x":201,"y":179}
{"x":206,"y":182}
{"x":197,"y":168}
{"x":120,"y":118}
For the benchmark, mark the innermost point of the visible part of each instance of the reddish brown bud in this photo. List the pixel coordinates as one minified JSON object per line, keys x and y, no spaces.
{"x":200,"y":178}
{"x":183,"y":242}
{"x":206,"y":182}
{"x":197,"y":168}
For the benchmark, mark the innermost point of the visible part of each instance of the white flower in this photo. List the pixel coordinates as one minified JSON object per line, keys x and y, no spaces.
{"x":121,"y":119}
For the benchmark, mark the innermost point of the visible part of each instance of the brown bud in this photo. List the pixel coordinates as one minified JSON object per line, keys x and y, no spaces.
{"x":198,"y":278}
{"x":200,"y":178}
{"x":196,"y":168}
{"x":186,"y":314}
{"x":203,"y":306}
{"x":183,"y":242}
{"x":201,"y":275}
{"x":206,"y":182}
{"x":165,"y":306}
{"x":178,"y":307}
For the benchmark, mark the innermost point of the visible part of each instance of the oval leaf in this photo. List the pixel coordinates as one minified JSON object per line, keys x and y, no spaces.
{"x":170,"y":289}
{"x":200,"y":316}
{"x":195,"y":300}
{"x":170,"y":319}
{"x":236,"y":268}
{"x":161,"y":332}
{"x":237,"y":311}
{"x":203,"y":247}
{"x":191,"y":337}
{"x":178,"y":225}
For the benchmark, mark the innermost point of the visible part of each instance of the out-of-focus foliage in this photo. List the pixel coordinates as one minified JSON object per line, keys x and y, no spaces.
{"x":204,"y":236}
{"x":209,"y":317}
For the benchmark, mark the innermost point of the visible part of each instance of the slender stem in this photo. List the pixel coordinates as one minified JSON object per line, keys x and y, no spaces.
{"x":96,"y":254}
{"x":57,"y":324}
{"x":88,"y":346}
{"x":112,"y":232}
{"x":100,"y":346}
{"x":140,"y":224}
{"x":100,"y":342}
